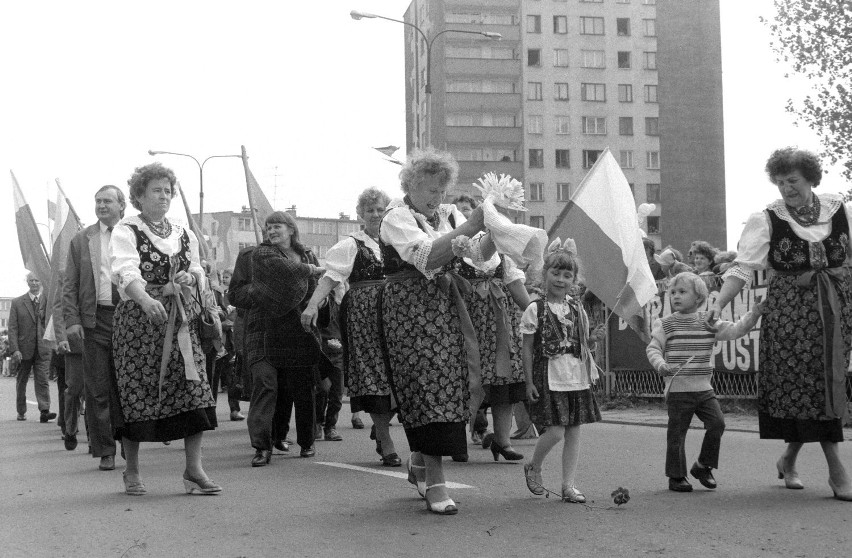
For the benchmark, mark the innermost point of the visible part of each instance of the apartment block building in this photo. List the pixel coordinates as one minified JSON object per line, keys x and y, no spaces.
{"x":229,"y":232}
{"x":568,"y":79}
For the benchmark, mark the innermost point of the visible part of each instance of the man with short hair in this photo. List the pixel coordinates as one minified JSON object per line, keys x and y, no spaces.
{"x":88,"y":301}
{"x":29,"y":349}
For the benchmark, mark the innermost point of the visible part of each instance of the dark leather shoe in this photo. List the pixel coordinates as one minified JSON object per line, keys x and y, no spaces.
{"x":47,"y":416}
{"x":308,"y":452}
{"x":107,"y":463}
{"x":680,"y":485}
{"x":357,"y":423}
{"x":704,"y":475}
{"x":391,"y":460}
{"x":460,"y":458}
{"x":281,"y":445}
{"x":70,"y":442}
{"x":331,"y":435}
{"x":261,"y":458}
{"x":22,"y":417}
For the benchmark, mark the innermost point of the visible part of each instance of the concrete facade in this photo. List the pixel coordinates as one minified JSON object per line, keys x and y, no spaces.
{"x":569,"y":79}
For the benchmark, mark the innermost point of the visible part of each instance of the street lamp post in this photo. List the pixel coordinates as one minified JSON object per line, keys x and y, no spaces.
{"x":356,"y":15}
{"x":200,"y":179}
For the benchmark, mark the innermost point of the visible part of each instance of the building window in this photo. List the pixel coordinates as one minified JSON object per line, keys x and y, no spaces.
{"x":590,"y":1}
{"x":563,"y":125}
{"x":590,"y":156}
{"x":593,"y":92}
{"x":625,"y":158}
{"x":563,"y":159}
{"x":625,"y":125}
{"x":653,"y":225}
{"x":650,"y":26}
{"x":591,"y":26}
{"x":622,"y":1}
{"x":480,"y":86}
{"x":650,"y":60}
{"x":560,"y":57}
{"x":649,"y":2}
{"x":652,"y":126}
{"x":560,"y":24}
{"x":536,"y":191}
{"x":534,"y":57}
{"x":533,"y":91}
{"x":594,"y":125}
{"x":653,"y":191}
{"x":244,"y":224}
{"x":561,"y":91}
{"x":563,"y":191}
{"x":485,"y":119}
{"x":536,"y":158}
{"x":653,"y":160}
{"x":537,"y":221}
{"x":650,"y":93}
{"x":593,"y":59}
{"x":625,"y":93}
{"x":622,"y":26}
{"x":624,"y":59}
{"x":533,"y":24}
{"x":534,"y":124}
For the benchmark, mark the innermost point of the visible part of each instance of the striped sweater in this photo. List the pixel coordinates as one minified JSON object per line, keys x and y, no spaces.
{"x":676,"y":338}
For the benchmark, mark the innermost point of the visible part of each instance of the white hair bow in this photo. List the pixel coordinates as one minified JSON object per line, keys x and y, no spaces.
{"x":568,"y":246}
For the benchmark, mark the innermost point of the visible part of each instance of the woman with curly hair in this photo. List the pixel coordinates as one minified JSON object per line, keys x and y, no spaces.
{"x":159,"y":362}
{"x":702,"y":257}
{"x":423,"y":316}
{"x":807,"y":318}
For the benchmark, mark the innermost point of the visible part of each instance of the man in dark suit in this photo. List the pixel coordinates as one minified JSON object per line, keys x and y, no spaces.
{"x":88,"y":302}
{"x":29,"y":349}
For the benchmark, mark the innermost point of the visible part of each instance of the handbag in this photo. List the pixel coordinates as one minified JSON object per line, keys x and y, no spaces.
{"x":208,"y":321}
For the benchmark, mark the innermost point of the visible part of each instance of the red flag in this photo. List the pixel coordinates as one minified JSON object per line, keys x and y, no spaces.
{"x":29,"y":239}
{"x":66,"y":224}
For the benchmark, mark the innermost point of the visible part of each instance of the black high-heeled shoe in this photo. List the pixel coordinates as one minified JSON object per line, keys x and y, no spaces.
{"x":508,"y":455}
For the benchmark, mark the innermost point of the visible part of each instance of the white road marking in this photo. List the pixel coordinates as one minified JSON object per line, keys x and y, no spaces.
{"x":386,"y":473}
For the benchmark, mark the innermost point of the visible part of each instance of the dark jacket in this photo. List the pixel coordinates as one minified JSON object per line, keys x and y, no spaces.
{"x":80,"y":284}
{"x":26,"y":328}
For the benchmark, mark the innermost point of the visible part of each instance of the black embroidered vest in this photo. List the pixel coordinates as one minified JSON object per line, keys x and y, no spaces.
{"x":788,"y":252}
{"x":393,"y":262}
{"x":367,"y":266}
{"x":154,"y":264}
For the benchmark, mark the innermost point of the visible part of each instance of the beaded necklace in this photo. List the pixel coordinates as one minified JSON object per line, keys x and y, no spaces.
{"x":806,"y":215}
{"x":162,"y":229}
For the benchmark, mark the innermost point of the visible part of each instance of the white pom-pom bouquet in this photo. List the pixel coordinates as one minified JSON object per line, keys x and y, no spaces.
{"x":504,"y":191}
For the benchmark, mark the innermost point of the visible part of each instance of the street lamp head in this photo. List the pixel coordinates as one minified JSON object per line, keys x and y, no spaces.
{"x":356,"y":15}
{"x":491,"y":35}
{"x":152,"y":152}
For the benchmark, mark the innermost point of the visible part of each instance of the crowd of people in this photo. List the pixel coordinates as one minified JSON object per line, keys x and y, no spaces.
{"x":419,"y":316}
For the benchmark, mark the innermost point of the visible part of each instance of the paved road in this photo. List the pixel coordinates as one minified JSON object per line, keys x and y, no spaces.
{"x":56,"y":503}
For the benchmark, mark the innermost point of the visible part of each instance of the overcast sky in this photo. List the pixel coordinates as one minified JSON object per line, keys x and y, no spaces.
{"x":89,"y":87}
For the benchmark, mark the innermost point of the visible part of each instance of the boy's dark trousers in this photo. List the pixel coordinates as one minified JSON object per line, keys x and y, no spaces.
{"x":682,"y":406}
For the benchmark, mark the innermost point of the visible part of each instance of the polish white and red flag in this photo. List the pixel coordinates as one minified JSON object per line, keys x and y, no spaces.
{"x":601,"y":218}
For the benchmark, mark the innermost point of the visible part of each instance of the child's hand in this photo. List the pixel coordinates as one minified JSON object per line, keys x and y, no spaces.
{"x":532,"y":393}
{"x":761,"y":304}
{"x":597,"y":335}
{"x":666,"y":369}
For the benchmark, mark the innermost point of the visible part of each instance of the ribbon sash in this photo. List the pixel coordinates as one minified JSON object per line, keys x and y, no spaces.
{"x":491,"y":290}
{"x":834,"y":360}
{"x":179,"y":295}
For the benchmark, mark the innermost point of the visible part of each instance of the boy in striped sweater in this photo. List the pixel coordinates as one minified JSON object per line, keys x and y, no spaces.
{"x":681,"y":350}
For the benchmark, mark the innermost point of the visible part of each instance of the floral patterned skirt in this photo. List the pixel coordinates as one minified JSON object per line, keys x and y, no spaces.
{"x":363,"y":363}
{"x":791,"y":382}
{"x":187,"y":407}
{"x":560,"y":408}
{"x":426,"y":356}
{"x":483,"y":317}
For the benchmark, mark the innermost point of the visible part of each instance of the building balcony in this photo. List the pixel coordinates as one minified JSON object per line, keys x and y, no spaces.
{"x":510,"y":33}
{"x":483,"y":135}
{"x":485,"y":67}
{"x":508,"y":102}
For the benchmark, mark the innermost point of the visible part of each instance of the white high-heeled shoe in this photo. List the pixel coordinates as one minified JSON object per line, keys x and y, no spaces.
{"x":444,"y":507}
{"x":412,"y":478}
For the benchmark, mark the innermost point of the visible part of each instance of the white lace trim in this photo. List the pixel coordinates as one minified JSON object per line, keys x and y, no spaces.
{"x":740,"y":272}
{"x":829,"y":204}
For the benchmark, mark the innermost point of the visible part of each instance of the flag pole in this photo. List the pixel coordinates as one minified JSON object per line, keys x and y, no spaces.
{"x":203,"y":248}
{"x":257,"y":234}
